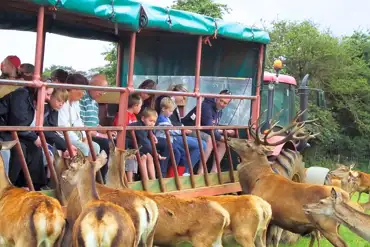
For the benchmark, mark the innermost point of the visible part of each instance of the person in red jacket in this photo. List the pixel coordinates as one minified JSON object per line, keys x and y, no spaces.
{"x":134,"y":106}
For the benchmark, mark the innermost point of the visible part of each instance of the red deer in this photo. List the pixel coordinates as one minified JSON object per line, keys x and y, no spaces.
{"x":249,"y":215}
{"x":28,"y":218}
{"x":180,"y":219}
{"x":348,"y":214}
{"x":101,"y":223}
{"x":361,"y":182}
{"x":285,"y":196}
{"x":142,"y":210}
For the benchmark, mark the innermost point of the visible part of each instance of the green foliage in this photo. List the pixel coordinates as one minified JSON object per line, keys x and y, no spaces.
{"x":110,"y":69}
{"x":204,"y":7}
{"x":340,"y":67}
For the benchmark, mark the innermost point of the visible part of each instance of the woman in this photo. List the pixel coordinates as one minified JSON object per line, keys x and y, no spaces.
{"x":147,"y":98}
{"x":19,"y":109}
{"x":69,"y":116}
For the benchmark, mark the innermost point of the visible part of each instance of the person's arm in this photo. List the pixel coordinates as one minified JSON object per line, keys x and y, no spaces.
{"x":143,"y":141}
{"x":64,"y":121}
{"x":207,"y":120}
{"x":5,"y":104}
{"x":79,"y":122}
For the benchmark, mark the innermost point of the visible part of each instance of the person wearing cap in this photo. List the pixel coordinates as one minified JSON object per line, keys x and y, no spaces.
{"x":211,"y":114}
{"x":9,"y":67}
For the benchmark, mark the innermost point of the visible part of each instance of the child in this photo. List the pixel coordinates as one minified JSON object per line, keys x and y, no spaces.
{"x":148,"y":118}
{"x":134,"y":107}
{"x":57,"y":100}
{"x":167,"y":107}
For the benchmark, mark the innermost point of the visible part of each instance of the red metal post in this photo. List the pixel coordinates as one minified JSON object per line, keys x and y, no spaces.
{"x":214,"y":144}
{"x":24,"y":166}
{"x":256,"y":104}
{"x":186,"y":147}
{"x":156,"y":163}
{"x":38,"y":65}
{"x":130,"y":79}
{"x":231,"y":166}
{"x":50,"y":164}
{"x":172,"y":158}
{"x":99,"y":177}
{"x":144,"y":182}
{"x":119,"y":64}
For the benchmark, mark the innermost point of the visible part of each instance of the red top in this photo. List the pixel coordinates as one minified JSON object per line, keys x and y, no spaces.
{"x":130,"y":118}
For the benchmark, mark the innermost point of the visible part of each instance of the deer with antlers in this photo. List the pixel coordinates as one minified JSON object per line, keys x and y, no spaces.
{"x":285,"y":196}
{"x":100,"y":223}
{"x":142,"y":210}
{"x":348,"y":214}
{"x":28,"y":218}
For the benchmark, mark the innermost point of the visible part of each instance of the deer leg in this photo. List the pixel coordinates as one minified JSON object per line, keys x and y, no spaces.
{"x":317,"y":234}
{"x":359,"y":196}
{"x":67,"y":239}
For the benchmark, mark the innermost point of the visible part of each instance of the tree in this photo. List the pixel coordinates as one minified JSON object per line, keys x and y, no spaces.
{"x":204,"y":7}
{"x":340,"y":67}
{"x":47,"y":71}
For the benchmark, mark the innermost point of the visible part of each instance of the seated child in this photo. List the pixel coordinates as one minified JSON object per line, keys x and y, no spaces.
{"x":166,"y":109}
{"x":148,"y":118}
{"x":134,"y":107}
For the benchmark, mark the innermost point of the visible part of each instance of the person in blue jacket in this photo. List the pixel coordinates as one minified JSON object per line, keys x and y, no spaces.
{"x":211,"y":114}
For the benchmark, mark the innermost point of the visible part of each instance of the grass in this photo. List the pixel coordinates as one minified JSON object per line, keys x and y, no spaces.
{"x":352,"y":239}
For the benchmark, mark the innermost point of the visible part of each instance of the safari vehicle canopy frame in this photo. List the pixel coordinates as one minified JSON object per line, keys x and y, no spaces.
{"x":129,"y":23}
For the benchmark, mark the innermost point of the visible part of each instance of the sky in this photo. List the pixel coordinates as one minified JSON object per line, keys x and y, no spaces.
{"x":342,"y":17}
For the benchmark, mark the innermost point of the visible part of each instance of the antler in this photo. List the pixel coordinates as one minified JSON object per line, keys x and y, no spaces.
{"x":295,"y":131}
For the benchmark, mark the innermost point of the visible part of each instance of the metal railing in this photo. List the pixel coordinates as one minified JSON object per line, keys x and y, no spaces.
{"x":122,"y":128}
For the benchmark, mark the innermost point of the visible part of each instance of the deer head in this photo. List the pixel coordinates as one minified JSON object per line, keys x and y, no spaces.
{"x":353,"y":181}
{"x":342,"y":171}
{"x":325,"y":206}
{"x":79,"y":164}
{"x":261,"y":144}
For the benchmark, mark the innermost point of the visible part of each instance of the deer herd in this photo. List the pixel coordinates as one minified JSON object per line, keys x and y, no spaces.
{"x":98,"y":215}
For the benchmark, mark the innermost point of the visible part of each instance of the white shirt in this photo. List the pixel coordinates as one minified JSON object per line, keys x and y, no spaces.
{"x":69,"y":116}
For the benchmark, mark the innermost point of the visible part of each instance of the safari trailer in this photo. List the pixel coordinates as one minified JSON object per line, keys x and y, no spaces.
{"x":168,"y":46}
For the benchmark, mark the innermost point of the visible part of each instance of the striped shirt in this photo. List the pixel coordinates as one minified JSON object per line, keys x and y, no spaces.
{"x":89,"y":111}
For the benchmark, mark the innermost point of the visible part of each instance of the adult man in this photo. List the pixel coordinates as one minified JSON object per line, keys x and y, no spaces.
{"x":90,"y":114}
{"x":26,"y":71}
{"x":211,"y":115}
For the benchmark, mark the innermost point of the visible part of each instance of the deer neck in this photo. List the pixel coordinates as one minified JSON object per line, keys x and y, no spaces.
{"x":86,"y":186}
{"x":115,"y":175}
{"x":357,"y":221}
{"x":254,"y":167}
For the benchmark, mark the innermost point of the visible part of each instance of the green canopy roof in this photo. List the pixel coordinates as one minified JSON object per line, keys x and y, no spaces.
{"x":133,"y":15}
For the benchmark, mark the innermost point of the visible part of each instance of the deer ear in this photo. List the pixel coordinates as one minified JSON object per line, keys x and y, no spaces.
{"x":352,"y":166}
{"x":333,"y":194}
{"x":101,"y":160}
{"x":7,"y":145}
{"x":267,"y":150}
{"x":112,"y":147}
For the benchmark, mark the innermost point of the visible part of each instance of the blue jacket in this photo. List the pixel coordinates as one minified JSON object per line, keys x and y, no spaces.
{"x":210,"y":116}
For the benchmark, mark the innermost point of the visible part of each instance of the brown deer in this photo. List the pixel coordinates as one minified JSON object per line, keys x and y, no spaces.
{"x":249,"y":215}
{"x":28,"y":218}
{"x":347,"y":214}
{"x":340,"y":177}
{"x":101,"y":223}
{"x":285,"y":196}
{"x":180,"y":219}
{"x":360,"y":182}
{"x":142,"y":210}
